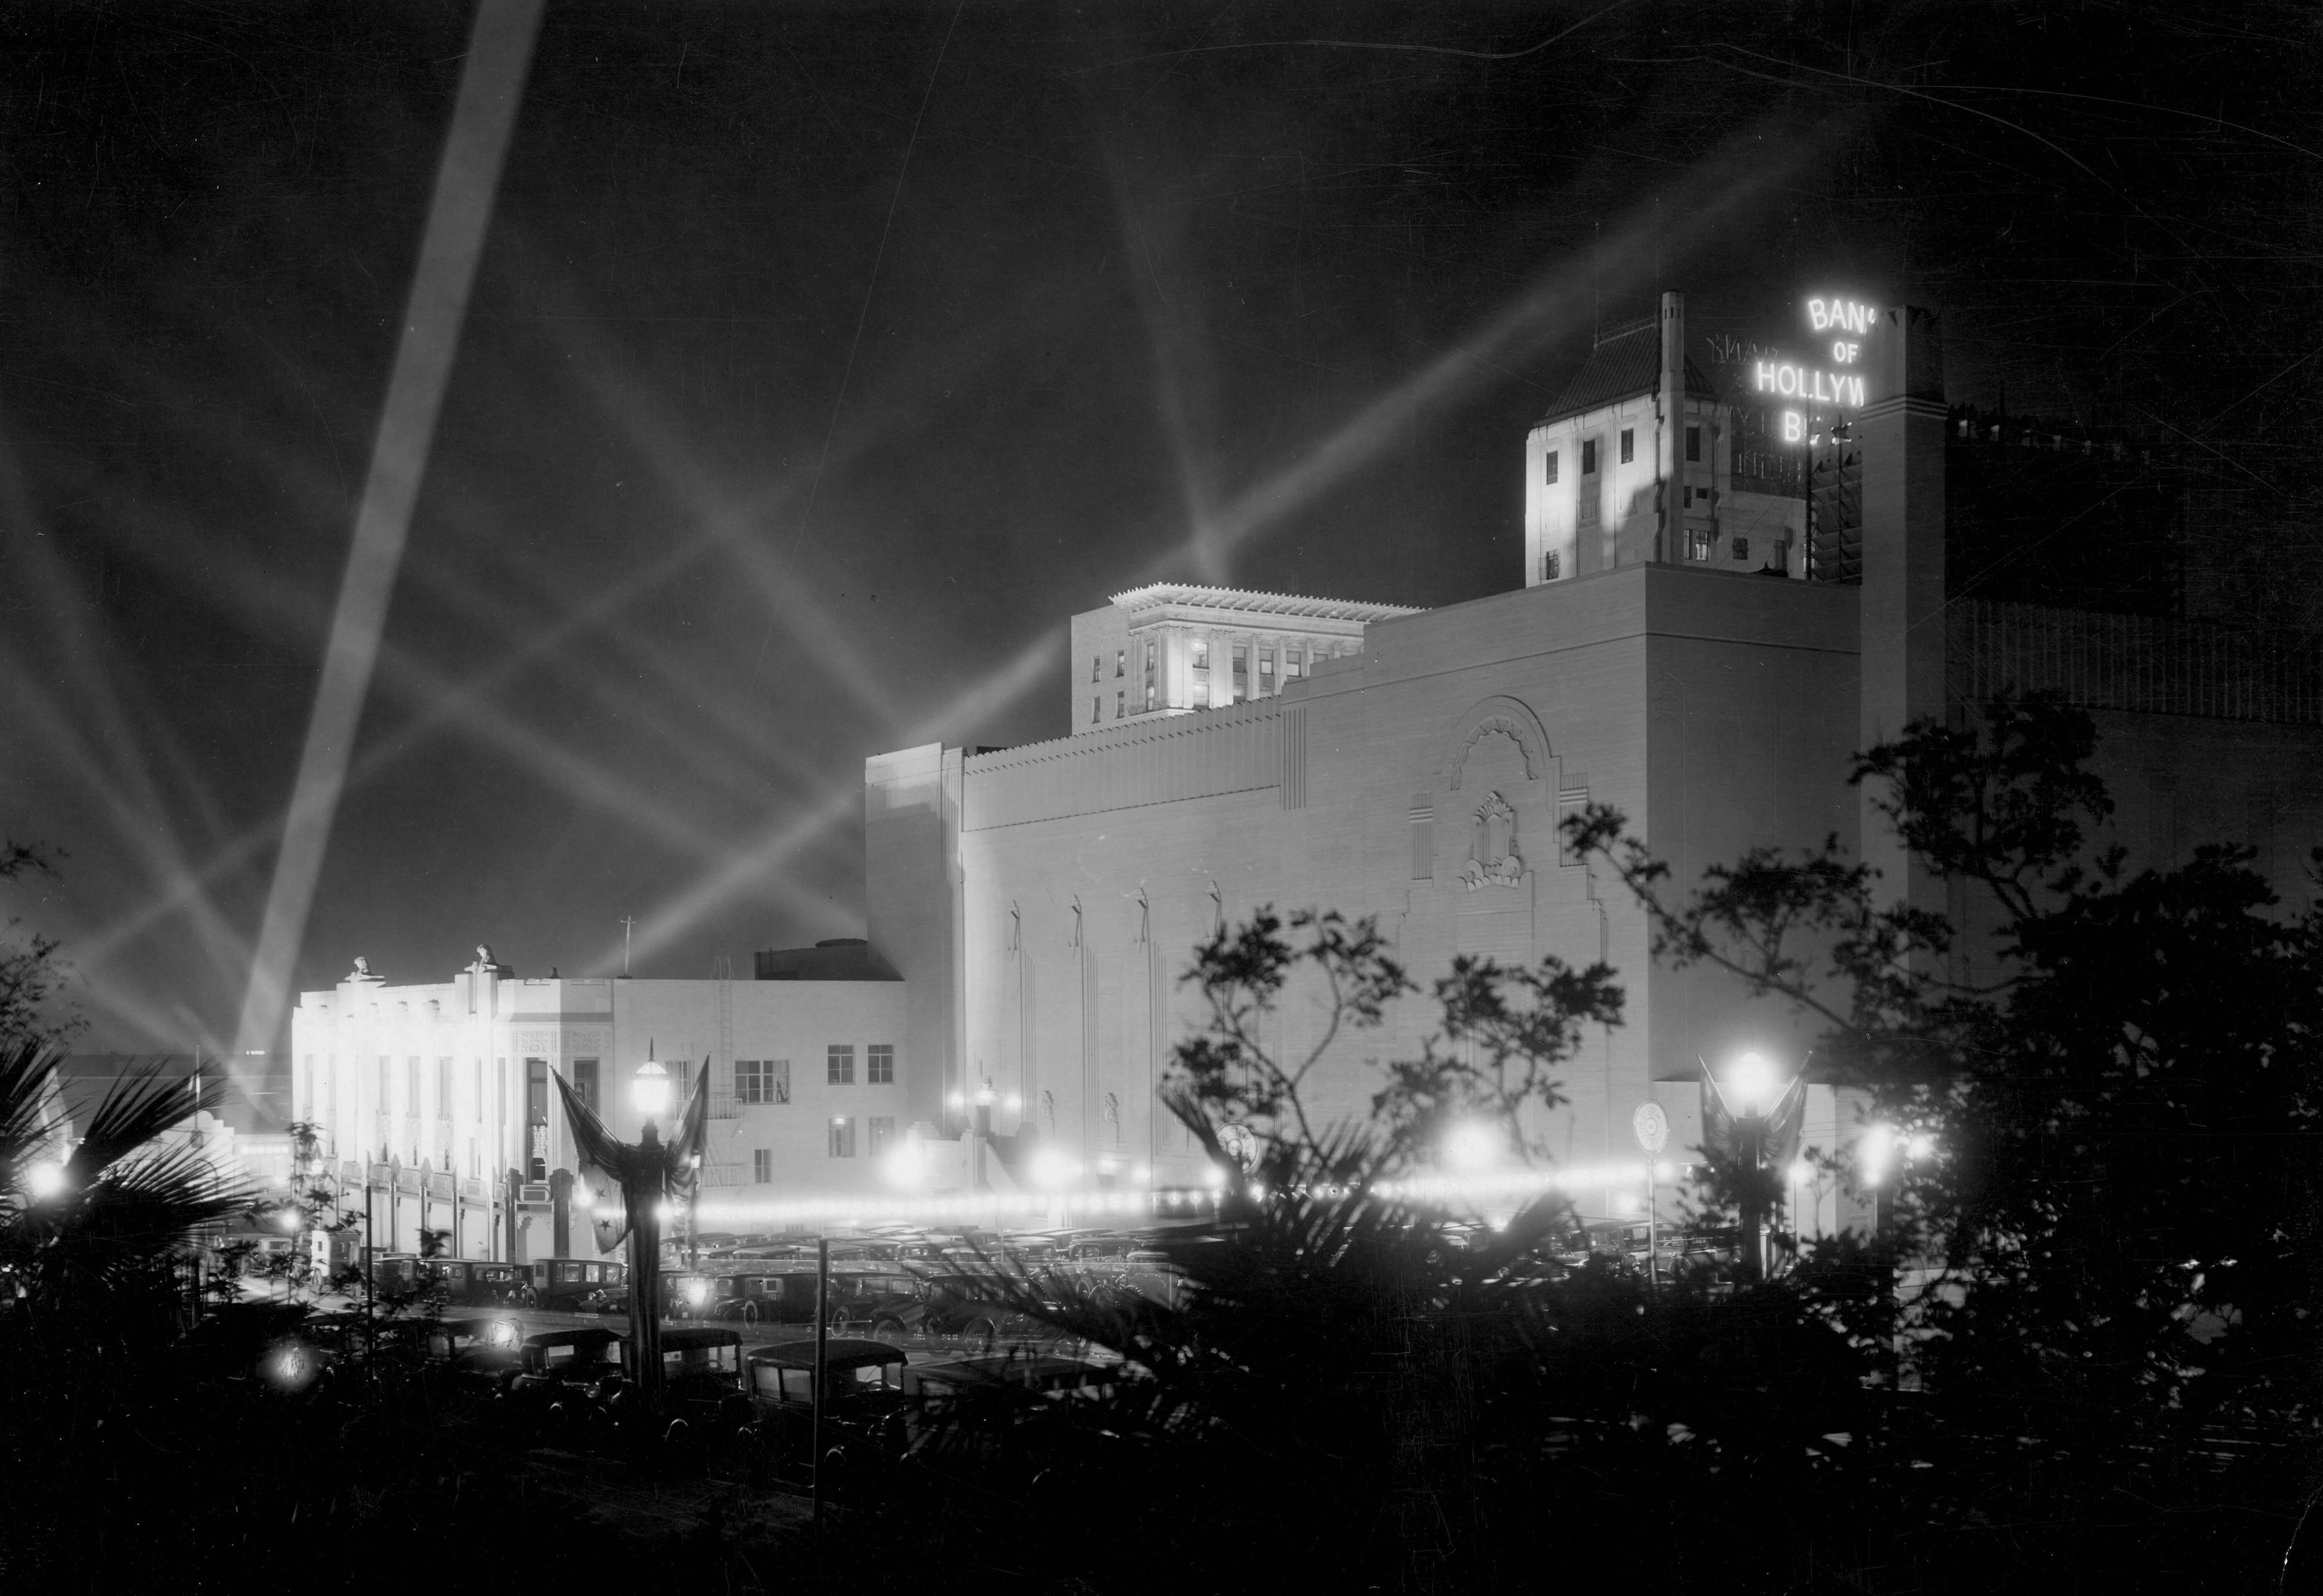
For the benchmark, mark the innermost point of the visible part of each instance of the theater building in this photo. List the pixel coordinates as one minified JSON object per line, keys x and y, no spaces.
{"x":1690,"y":643}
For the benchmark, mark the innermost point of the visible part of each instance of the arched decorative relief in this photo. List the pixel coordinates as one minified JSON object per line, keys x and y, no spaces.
{"x":1499,"y":716}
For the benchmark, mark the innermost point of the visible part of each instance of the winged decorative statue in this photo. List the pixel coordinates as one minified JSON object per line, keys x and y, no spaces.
{"x":647,"y":1174}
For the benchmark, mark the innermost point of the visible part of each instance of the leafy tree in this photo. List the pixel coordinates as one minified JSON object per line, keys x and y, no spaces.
{"x":31,"y":975}
{"x":2115,"y":1270}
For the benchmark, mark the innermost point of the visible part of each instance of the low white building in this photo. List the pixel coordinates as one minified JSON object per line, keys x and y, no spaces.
{"x":433,"y":1102}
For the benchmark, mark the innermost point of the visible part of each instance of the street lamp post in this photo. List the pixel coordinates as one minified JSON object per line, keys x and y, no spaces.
{"x":983,"y":1180}
{"x":1751,"y":1090}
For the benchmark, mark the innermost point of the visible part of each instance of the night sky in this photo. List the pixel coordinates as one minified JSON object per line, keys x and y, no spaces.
{"x":822,"y":359}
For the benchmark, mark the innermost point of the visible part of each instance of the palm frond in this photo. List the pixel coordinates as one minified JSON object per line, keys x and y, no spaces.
{"x":28,"y":1068}
{"x":137,"y":1110}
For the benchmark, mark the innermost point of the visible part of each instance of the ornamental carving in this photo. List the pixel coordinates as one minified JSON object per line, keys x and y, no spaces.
{"x":1498,"y":716}
{"x":1492,"y":859}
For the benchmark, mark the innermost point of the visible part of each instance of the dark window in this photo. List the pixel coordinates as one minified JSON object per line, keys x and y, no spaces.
{"x":536,"y":1149}
{"x":840,"y":1064}
{"x":879,"y":1064}
{"x":843,"y":1137}
{"x":1588,"y":456}
{"x":584,"y":1080}
{"x":1097,"y":666}
{"x":1241,"y":664}
{"x":1120,"y":704}
{"x":1549,"y":567}
{"x":882,"y":1128}
{"x":1741,"y":548}
{"x":1629,"y":444}
{"x":1201,"y":654}
{"x":762,"y":1080}
{"x":1121,"y":662}
{"x":762,"y":1166}
{"x":1548,"y":472}
{"x":1097,"y":708}
{"x":1694,"y":443}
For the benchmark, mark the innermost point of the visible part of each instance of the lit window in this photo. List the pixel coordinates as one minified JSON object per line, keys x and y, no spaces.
{"x":1629,"y":444}
{"x":762,"y":1166}
{"x":1152,"y":695}
{"x":1201,"y":654}
{"x":1700,"y":545}
{"x":879,"y":1064}
{"x":1266,"y":670}
{"x":1201,"y":695}
{"x":843,"y":1137}
{"x":1548,"y":473}
{"x":1291,"y":665}
{"x":840,"y":1064}
{"x":1694,"y":443}
{"x":1588,"y":456}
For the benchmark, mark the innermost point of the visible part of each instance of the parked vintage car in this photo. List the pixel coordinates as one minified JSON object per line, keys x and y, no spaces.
{"x":249,"y":1343}
{"x":473,"y":1282}
{"x":560,"y":1374}
{"x":568,"y":1284}
{"x":472,"y":1354}
{"x":858,"y":1295}
{"x":1099,"y":1254}
{"x":1001,"y":1420}
{"x":686,"y":1294}
{"x":863,"y":1392}
{"x":976,"y":1310}
{"x":701,"y":1379}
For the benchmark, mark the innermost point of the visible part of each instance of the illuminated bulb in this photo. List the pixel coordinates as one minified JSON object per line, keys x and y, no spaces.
{"x":45,"y":1179}
{"x":1472,"y":1147}
{"x":1750,"y":1083}
{"x":1879,"y":1145}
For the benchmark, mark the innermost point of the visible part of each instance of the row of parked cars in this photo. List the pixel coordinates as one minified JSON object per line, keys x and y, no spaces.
{"x":577,"y":1387}
{"x":877,"y":1283}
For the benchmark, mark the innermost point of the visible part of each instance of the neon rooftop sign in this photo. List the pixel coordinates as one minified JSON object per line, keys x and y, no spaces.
{"x":1780,"y":378}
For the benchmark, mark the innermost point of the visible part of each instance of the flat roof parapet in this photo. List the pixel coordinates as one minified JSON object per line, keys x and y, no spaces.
{"x":1236,"y":601}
